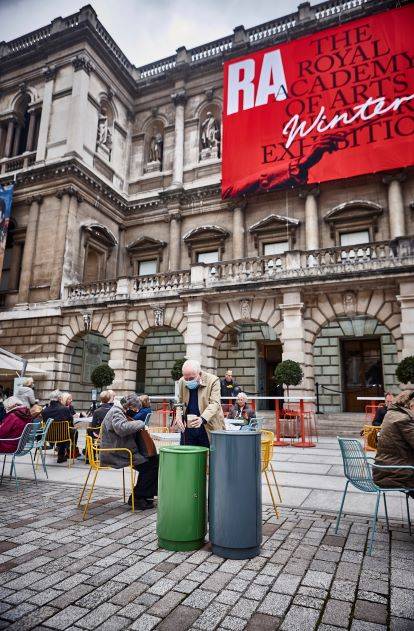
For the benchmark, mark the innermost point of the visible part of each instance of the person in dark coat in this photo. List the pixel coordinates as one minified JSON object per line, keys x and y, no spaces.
{"x":119,"y":429}
{"x":16,"y":419}
{"x":107,"y":401}
{"x":396,"y":444}
{"x":59,"y":412}
{"x":383,"y":409}
{"x":229,"y":386}
{"x":241,"y":410}
{"x":145,"y":409}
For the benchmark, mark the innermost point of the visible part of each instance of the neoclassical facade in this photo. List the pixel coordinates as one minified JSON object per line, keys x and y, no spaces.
{"x":121,"y":249}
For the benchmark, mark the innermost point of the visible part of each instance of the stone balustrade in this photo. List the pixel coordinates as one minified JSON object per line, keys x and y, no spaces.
{"x":383,"y":257}
{"x":17,"y":163}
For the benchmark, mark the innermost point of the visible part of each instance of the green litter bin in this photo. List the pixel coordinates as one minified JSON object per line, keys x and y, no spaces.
{"x":181,"y":517}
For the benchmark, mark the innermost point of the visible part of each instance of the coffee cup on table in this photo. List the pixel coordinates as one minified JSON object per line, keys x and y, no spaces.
{"x":190,"y":419}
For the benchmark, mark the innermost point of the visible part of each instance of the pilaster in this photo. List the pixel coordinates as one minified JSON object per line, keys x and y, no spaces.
{"x":406,"y":300}
{"x":196,"y":333}
{"x":179,"y":98}
{"x":82,"y":68}
{"x":29,"y":248}
{"x":49,"y":74}
{"x":395,"y":204}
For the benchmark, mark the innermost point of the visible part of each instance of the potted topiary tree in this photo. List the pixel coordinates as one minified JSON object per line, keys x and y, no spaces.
{"x":405,"y":370}
{"x":288,"y":373}
{"x":176,"y":373}
{"x":102,"y":376}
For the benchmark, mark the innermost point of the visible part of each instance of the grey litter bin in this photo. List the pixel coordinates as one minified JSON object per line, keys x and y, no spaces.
{"x":235,"y":494}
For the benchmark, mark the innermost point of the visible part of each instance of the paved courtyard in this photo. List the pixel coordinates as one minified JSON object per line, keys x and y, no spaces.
{"x":58,"y":572}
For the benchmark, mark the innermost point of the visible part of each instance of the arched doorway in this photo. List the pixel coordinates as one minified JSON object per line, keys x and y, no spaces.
{"x":160,"y":349}
{"x":88,"y":351}
{"x":354,"y":357}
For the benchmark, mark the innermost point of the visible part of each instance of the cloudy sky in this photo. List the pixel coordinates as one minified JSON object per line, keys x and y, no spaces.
{"x":147,"y":30}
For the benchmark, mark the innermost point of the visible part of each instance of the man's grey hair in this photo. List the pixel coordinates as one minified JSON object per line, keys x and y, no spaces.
{"x":132,"y":400}
{"x":192,"y":364}
{"x":242,"y":395}
{"x":56,"y":395}
{"x":11,"y":403}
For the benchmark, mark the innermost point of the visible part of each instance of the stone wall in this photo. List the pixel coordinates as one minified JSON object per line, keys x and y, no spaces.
{"x":327,"y":357}
{"x":163,"y":348}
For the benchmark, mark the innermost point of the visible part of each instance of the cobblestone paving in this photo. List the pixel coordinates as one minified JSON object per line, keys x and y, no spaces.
{"x":58,"y":572}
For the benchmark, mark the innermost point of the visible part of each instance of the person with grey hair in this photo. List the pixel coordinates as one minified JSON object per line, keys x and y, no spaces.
{"x":59,"y":412}
{"x":241,"y":409}
{"x":199,"y":393}
{"x":119,"y":430}
{"x":25,"y":392}
{"x":16,"y":418}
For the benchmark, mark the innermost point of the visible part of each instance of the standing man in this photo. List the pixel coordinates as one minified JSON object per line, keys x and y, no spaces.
{"x":199,"y":392}
{"x":229,"y":386}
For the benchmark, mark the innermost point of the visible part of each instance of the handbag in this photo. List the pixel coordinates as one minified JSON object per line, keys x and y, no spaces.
{"x":145,"y":444}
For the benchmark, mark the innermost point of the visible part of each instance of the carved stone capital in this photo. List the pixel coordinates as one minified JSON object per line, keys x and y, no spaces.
{"x":71,"y":191}
{"x":310,"y":190}
{"x":179,"y":97}
{"x":49,"y":72}
{"x":34,"y":199}
{"x":399,"y":176}
{"x":130,"y":116}
{"x":82,"y":63}
{"x":237,"y":204}
{"x":174,"y":217}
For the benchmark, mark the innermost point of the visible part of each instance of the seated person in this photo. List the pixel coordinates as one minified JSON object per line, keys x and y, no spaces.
{"x":119,"y":429}
{"x":16,"y":418}
{"x":145,"y":410}
{"x":59,"y":412}
{"x":396,"y":444}
{"x":228,"y":385}
{"x":67,"y":400}
{"x":383,"y":409}
{"x":107,"y":401}
{"x":241,"y":410}
{"x":25,"y":392}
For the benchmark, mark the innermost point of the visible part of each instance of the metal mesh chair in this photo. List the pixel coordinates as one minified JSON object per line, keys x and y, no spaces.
{"x":26,"y":443}
{"x":267,"y":440}
{"x":358,"y":472}
{"x":40,"y":444}
{"x":60,"y":432}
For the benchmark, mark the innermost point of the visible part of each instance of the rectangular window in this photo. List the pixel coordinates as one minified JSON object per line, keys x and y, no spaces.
{"x":355,"y":238}
{"x":275,"y":248}
{"x":145,"y":268}
{"x":208,"y":257}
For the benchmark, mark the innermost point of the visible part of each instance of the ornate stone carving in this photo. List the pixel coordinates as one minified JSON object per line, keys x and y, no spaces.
{"x":179,"y":97}
{"x":159,"y":311}
{"x":49,"y":72}
{"x":87,"y":321}
{"x":35,"y":199}
{"x":71,"y":191}
{"x":104,"y":133}
{"x":82,"y":63}
{"x":349,"y":301}
{"x":210,"y":138}
{"x":156,"y":148}
{"x":245,"y":308}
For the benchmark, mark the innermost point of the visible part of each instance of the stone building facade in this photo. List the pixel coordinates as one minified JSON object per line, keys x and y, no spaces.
{"x":122,"y":250}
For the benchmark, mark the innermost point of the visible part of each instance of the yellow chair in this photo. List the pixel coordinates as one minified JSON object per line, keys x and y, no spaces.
{"x":93,"y":454}
{"x":267,"y":466}
{"x":370,"y":435}
{"x":60,"y":432}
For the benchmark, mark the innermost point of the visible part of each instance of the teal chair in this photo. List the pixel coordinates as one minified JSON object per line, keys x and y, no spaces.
{"x":27,"y":442}
{"x":40,"y":444}
{"x":148,"y":419}
{"x":358,"y":472}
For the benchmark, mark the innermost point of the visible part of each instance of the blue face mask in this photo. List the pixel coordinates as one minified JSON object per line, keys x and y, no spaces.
{"x":193,"y":384}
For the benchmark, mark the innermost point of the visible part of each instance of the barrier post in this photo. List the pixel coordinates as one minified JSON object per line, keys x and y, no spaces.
{"x":278,"y":442}
{"x":164,"y":412}
{"x":303,"y":442}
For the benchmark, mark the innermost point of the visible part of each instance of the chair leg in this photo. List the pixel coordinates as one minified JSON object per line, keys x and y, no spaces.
{"x":2,"y":471}
{"x":13,"y":467}
{"x":123,"y":483}
{"x":386,"y":511}
{"x":71,"y":453}
{"x":33,"y":467}
{"x":338,"y":519}
{"x":271,"y":495}
{"x":132,"y":490}
{"x":90,"y":494}
{"x":408,"y":513}
{"x":276,"y":484}
{"x":43,"y":457}
{"x":374,"y":523}
{"x":84,"y":486}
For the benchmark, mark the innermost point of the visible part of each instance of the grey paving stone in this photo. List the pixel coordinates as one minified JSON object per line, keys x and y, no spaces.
{"x":244,"y":608}
{"x":360,"y":625}
{"x":199,"y":599}
{"x":300,"y":618}
{"x":343,"y":590}
{"x":19,"y":596}
{"x":230,"y":622}
{"x":147,"y":599}
{"x":180,"y":618}
{"x":308,"y":601}
{"x":370,"y":612}
{"x":145,"y":623}
{"x":132,"y":611}
{"x":166,"y":604}
{"x":256,"y":592}
{"x":96,"y":617}
{"x":66,"y":617}
{"x":347,"y":571}
{"x":401,"y":624}
{"x":128,"y":594}
{"x":23,"y":609}
{"x":115,"y":623}
{"x":228,"y":597}
{"x":42,"y":598}
{"x":162,"y":587}
{"x":212,"y":616}
{"x":401,"y":578}
{"x":275,"y":604}
{"x":317,"y":579}
{"x":34,"y":622}
{"x":262,"y":622}
{"x":68,"y":598}
{"x":372,"y":596}
{"x":217,"y":581}
{"x":337,"y":612}
{"x":286,"y":584}
{"x":99,"y":595}
{"x":402,"y":603}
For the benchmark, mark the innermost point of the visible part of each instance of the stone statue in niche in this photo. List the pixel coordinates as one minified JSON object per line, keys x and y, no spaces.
{"x":349,"y":303}
{"x":155,"y":152}
{"x":104,"y":135}
{"x":159,"y":316}
{"x":210,"y":138}
{"x":245,"y":308}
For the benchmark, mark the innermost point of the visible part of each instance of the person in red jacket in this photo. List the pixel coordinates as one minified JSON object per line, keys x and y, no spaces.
{"x":13,"y":424}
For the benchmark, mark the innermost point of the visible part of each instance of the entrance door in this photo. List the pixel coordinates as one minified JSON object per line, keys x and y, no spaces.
{"x":272,"y":354}
{"x":362,"y":370}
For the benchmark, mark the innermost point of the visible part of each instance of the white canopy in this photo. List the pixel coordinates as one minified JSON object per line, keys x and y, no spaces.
{"x":12,"y":366}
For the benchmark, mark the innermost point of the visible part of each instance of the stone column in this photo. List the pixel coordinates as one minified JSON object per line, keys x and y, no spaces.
{"x":71,"y":240}
{"x":293,"y":336}
{"x":16,"y":141}
{"x":79,"y":106}
{"x":123,"y":355}
{"x":49,"y":75}
{"x":311,"y":219}
{"x":30,"y":133}
{"x":406,"y":300}
{"x":238,"y":230}
{"x":128,"y":147}
{"x":395,"y":204}
{"x":179,"y":99}
{"x":120,"y":255}
{"x":196,"y":332}
{"x":174,"y":245}
{"x":59,"y":241}
{"x":9,"y":137}
{"x":29,"y":248}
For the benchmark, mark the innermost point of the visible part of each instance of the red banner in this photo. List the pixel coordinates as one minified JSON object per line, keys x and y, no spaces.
{"x":332,"y":105}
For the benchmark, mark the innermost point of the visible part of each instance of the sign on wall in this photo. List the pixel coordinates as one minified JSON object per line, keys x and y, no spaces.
{"x":332,"y":105}
{"x":6,"y":199}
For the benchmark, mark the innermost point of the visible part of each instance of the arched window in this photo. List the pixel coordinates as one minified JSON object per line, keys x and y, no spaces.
{"x":21,"y":130}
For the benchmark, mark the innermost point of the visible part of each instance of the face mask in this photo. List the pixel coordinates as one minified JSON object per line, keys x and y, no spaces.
{"x":192,"y":385}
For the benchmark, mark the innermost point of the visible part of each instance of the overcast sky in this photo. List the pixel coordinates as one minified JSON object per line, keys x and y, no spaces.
{"x":147,"y":30}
